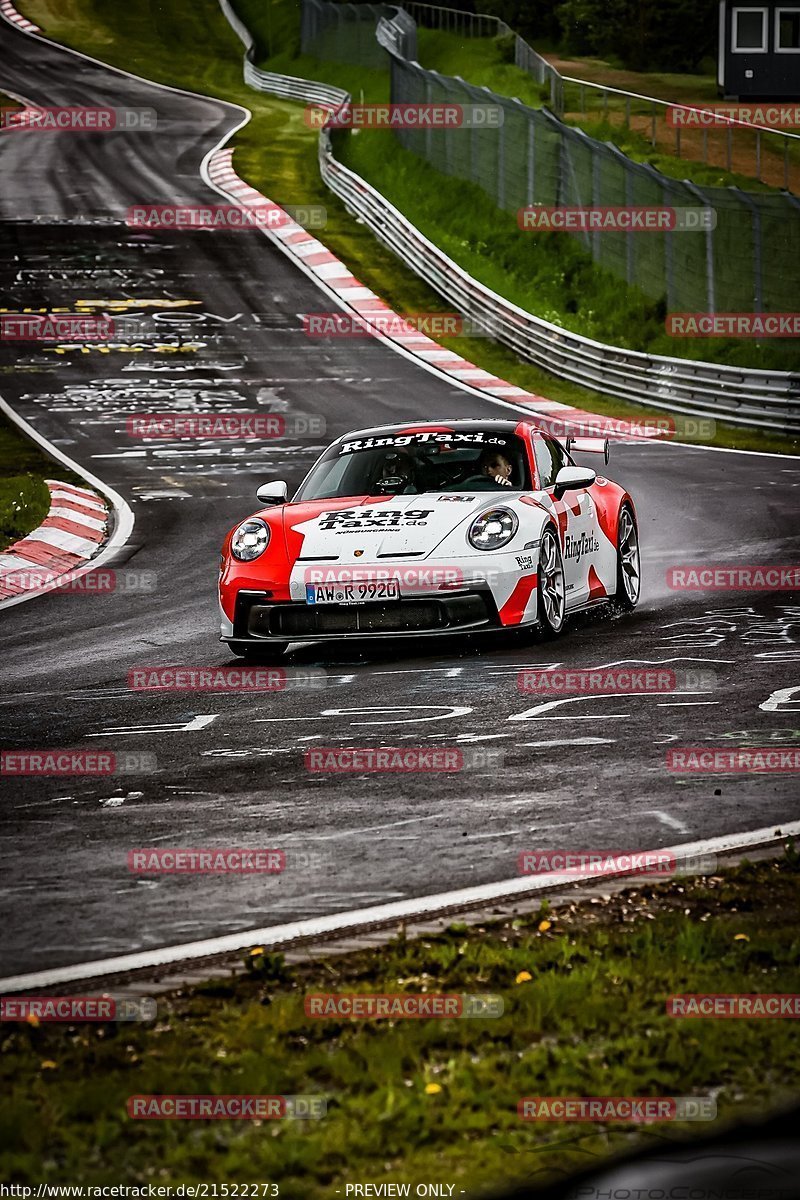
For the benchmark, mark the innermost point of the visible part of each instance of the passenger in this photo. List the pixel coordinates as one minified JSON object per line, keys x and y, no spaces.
{"x":496,"y":466}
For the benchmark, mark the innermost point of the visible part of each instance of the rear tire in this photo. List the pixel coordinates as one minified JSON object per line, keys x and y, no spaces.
{"x":551,"y":587}
{"x":263,"y":654}
{"x":629,"y":563}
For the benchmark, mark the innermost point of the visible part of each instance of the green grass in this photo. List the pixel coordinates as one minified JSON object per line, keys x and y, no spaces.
{"x":480,"y":61}
{"x":590,"y":1021}
{"x":277,"y":153}
{"x":24,"y":496}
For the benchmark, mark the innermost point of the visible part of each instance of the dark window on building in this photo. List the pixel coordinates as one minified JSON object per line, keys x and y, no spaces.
{"x":750,"y":29}
{"x":788,"y":29}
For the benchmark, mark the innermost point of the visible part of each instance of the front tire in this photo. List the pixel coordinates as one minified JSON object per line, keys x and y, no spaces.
{"x":551,"y":588}
{"x":629,"y":564}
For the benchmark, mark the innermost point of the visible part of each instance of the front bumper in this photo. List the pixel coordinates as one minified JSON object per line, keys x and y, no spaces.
{"x":259,"y":619}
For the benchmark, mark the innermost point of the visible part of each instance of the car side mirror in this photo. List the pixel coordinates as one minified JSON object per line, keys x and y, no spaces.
{"x":273,"y":493}
{"x":572,"y":479}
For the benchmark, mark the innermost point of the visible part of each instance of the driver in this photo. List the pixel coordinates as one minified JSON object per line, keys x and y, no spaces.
{"x":396,"y":475}
{"x":496,"y":466}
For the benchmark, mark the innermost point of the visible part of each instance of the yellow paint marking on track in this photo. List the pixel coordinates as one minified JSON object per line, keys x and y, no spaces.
{"x":120,"y":305}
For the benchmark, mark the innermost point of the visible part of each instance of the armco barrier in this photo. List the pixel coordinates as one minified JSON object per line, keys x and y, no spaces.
{"x":763,"y":399}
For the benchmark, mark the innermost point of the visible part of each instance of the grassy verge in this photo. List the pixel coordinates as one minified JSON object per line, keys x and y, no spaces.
{"x":584,"y":988}
{"x":24,"y":497}
{"x":277,"y":153}
{"x":483,"y":62}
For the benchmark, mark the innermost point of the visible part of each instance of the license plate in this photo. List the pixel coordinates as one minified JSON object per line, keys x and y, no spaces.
{"x":352,"y":593}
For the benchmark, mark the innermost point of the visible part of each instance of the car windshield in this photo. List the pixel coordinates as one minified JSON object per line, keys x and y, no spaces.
{"x":407,"y":464}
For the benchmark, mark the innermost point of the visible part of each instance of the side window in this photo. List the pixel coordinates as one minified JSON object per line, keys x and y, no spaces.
{"x":749,"y":30}
{"x":787,"y":31}
{"x":550,"y":458}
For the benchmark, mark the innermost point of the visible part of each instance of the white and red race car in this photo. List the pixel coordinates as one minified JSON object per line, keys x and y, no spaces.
{"x":429,"y":529}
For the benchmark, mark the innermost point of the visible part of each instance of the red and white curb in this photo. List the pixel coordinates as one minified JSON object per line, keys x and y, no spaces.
{"x":72,"y":533}
{"x":16,"y":18}
{"x":334,"y":277}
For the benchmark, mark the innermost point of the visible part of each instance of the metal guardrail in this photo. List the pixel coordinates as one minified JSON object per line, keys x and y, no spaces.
{"x":745,"y":396}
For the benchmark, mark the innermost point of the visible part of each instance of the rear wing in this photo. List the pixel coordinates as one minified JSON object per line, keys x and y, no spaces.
{"x":588,"y":445}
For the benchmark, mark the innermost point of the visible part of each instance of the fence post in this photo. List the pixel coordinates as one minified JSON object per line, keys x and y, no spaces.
{"x":758,"y":256}
{"x":471,"y":129}
{"x":596,"y":243}
{"x":428,"y":130}
{"x":710,"y":273}
{"x":501,"y":165}
{"x":669,"y":258}
{"x":531,"y":157}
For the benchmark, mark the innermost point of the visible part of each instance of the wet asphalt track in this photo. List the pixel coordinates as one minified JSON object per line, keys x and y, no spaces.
{"x":588,"y":773}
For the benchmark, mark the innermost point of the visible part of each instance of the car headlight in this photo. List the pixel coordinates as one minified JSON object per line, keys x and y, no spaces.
{"x":250,"y":540}
{"x":493,"y":529}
